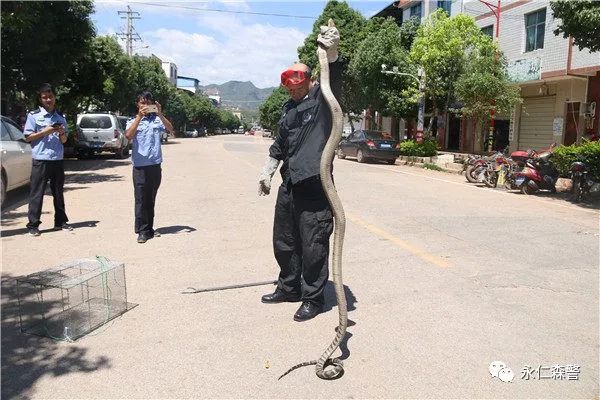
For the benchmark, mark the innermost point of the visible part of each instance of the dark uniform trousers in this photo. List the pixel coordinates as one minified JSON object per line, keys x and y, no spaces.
{"x":302,"y":227}
{"x":146,"y":181}
{"x":43,"y":171}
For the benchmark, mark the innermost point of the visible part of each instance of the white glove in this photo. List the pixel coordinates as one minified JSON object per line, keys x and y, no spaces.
{"x":264,"y":182}
{"x":329,"y":38}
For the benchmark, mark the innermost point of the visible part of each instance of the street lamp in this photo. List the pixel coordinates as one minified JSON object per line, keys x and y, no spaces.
{"x":420,"y":78}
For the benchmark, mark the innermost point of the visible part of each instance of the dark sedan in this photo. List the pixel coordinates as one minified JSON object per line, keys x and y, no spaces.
{"x":369,"y":145}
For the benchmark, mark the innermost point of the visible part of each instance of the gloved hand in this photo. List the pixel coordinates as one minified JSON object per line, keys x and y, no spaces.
{"x":264,"y":181}
{"x":329,"y":38}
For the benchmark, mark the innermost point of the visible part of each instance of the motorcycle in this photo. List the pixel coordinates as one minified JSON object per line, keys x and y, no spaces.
{"x":538,"y":174}
{"x":582,"y":183}
{"x":494,"y":173}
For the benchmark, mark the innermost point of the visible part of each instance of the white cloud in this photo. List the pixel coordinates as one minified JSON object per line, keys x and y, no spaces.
{"x":253,"y":52}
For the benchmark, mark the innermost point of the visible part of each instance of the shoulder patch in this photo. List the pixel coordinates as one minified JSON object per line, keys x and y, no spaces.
{"x":37,"y":111}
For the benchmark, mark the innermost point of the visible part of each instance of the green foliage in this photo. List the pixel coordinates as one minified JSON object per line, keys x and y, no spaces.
{"x":484,"y":84}
{"x":589,"y":152}
{"x":228,"y":120}
{"x":408,"y":32}
{"x":427,"y":148}
{"x":39,"y":42}
{"x":389,"y":94}
{"x":270,"y":110}
{"x":579,"y":19}
{"x":350,"y":23}
{"x":441,"y":48}
{"x":101,"y":79}
{"x":433,"y":167}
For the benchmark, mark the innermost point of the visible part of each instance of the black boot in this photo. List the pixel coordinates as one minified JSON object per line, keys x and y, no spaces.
{"x":280,"y":297}
{"x":308,"y":310}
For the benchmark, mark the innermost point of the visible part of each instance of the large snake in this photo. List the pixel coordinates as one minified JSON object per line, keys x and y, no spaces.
{"x":340,"y":226}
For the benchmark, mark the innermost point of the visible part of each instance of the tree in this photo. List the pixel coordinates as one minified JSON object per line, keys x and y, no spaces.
{"x":389,"y":94}
{"x":485,"y":85}
{"x":39,"y":42}
{"x":101,"y":79}
{"x":441,"y":49}
{"x":175,"y":109}
{"x":350,"y":24}
{"x":270,"y":110}
{"x":579,"y":19}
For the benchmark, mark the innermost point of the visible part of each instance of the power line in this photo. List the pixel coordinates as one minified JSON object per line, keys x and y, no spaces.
{"x":228,"y":11}
{"x":130,"y":35}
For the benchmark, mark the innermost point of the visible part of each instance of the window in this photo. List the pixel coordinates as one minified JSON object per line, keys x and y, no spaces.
{"x":99,"y":122}
{"x":535,"y":27}
{"x":415,"y":11}
{"x":488,"y":30}
{"x":15,"y":132}
{"x":5,"y":135}
{"x":445,"y":5}
{"x":377,"y":135}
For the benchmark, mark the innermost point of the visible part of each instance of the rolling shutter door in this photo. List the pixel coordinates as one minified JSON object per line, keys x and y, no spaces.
{"x":537,"y":116}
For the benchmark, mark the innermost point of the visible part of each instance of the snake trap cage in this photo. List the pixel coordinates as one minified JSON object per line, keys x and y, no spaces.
{"x":69,"y":301}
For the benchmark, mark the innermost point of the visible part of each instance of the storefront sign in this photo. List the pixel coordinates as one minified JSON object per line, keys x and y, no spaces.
{"x":557,"y":126}
{"x":524,"y":70}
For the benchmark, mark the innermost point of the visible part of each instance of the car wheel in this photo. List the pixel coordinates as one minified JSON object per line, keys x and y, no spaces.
{"x":391,"y":162}
{"x":83,"y":154}
{"x":3,"y":189}
{"x":360,"y":157}
{"x":120,"y":153}
{"x":340,"y":154}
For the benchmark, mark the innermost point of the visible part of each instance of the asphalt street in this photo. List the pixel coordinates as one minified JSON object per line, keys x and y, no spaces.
{"x":442,"y":279}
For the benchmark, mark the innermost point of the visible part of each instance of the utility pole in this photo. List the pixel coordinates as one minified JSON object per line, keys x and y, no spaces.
{"x":130,"y":35}
{"x":495,"y":9}
{"x":420,"y":78}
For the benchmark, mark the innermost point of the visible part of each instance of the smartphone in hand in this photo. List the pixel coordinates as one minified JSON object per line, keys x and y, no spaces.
{"x":151,"y":108}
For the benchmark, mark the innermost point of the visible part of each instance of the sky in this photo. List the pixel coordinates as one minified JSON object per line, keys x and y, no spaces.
{"x":228,"y":44}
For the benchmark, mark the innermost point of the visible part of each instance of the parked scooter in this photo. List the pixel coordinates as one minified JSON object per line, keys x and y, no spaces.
{"x":582,"y":183}
{"x":538,"y":174}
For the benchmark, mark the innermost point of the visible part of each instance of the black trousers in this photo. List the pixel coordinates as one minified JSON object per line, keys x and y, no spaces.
{"x":301,"y":231}
{"x":43,"y":171}
{"x":146,"y":181}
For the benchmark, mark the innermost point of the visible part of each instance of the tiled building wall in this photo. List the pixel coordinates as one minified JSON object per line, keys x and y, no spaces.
{"x":512,"y":34}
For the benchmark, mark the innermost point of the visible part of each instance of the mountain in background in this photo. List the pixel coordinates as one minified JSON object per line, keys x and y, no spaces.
{"x":243,"y":95}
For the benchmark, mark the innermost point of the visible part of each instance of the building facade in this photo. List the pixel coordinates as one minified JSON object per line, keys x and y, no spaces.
{"x":559,"y":83}
{"x":190,"y":84}
{"x":171,"y":71}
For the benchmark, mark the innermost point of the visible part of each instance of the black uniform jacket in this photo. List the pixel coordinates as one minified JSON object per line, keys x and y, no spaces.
{"x":303,"y":131}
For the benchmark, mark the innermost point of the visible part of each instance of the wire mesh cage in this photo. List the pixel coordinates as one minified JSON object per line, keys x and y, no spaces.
{"x":68,"y":301}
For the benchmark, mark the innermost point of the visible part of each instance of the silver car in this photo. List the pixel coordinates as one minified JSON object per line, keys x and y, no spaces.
{"x":100,"y":132}
{"x":15,"y":161}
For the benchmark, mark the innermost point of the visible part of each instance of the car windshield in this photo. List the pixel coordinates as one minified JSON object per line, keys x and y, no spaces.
{"x":377,"y":135}
{"x":123,"y":123}
{"x":95,"y":122}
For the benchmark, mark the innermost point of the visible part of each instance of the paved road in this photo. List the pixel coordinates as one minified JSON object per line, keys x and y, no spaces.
{"x":442,"y":279}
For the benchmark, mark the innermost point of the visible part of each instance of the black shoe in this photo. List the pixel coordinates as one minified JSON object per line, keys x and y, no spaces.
{"x":308,"y":311}
{"x":142,"y":238}
{"x":64,"y":227}
{"x":155,"y":234}
{"x":33,"y":231}
{"x":279,"y":297}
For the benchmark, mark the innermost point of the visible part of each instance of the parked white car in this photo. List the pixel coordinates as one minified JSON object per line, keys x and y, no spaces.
{"x":98,"y":132}
{"x":15,"y":161}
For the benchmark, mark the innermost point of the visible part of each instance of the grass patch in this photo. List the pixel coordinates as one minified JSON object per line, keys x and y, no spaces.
{"x":434,"y":167}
